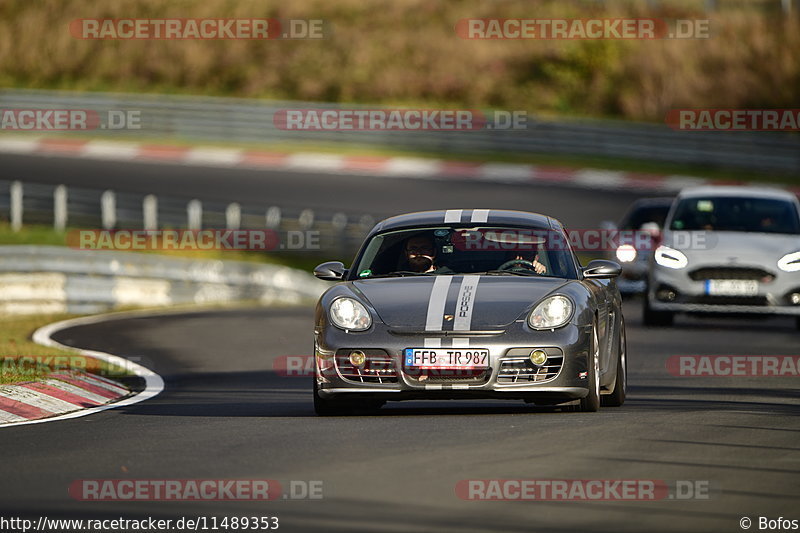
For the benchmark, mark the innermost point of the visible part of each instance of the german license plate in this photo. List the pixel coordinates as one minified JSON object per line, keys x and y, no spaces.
{"x":732,"y":287}
{"x":447,"y":357}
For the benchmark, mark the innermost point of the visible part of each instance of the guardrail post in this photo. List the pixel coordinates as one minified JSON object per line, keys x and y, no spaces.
{"x":233,"y":216}
{"x":339,"y":226}
{"x":306,"y":219}
{"x":150,"y":212}
{"x":16,"y":205}
{"x":108,"y":210}
{"x":194,"y":214}
{"x":60,"y":208}
{"x":273,"y":218}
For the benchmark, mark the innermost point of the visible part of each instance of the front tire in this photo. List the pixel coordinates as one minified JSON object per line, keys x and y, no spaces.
{"x":617,"y":396}
{"x":651,"y":317}
{"x":591,"y":403}
{"x":329,"y":407}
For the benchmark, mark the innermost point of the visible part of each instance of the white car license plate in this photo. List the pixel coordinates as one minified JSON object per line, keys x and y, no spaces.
{"x":732,"y":287}
{"x":446,"y":357}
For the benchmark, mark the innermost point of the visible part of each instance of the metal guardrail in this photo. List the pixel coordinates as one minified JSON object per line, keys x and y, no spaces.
{"x":301,"y":230}
{"x":53,"y":279}
{"x":242,"y":120}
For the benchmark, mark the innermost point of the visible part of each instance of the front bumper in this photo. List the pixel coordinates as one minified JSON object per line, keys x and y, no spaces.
{"x":690,"y":295}
{"x":508,"y":349}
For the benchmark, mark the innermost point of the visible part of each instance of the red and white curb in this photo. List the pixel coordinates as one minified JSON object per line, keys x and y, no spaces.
{"x":58,"y":394}
{"x":67,"y":395}
{"x":376,"y":166}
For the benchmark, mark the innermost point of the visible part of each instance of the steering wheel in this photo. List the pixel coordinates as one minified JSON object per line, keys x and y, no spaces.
{"x":521,"y":262}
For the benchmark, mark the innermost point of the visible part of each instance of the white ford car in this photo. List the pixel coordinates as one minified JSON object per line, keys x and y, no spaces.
{"x":727,"y":250}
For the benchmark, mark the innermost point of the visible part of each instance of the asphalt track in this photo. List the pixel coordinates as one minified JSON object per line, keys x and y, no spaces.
{"x":226,"y":414}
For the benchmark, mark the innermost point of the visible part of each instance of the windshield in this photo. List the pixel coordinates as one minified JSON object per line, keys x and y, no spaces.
{"x":758,"y":215}
{"x":459,"y":250}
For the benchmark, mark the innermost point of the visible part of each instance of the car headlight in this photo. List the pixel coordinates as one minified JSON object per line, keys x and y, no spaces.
{"x":790,"y":262}
{"x":551,"y":313}
{"x":670,"y":258}
{"x":626,"y":253}
{"x":350,"y":314}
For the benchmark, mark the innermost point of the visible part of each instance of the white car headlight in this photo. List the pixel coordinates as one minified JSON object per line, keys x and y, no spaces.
{"x":626,"y":253}
{"x":670,"y":258}
{"x":551,"y":313}
{"x":350,"y":314}
{"x":790,"y":262}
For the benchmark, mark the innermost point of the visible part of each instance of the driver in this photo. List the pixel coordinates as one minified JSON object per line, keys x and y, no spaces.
{"x":420,"y":253}
{"x":531,"y":257}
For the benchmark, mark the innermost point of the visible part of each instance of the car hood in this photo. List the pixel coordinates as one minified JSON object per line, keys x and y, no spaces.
{"x":480,"y":302}
{"x":733,"y":248}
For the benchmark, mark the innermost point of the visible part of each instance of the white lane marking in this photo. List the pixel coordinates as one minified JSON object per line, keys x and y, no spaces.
{"x":436,"y":303}
{"x":432,"y":343}
{"x":110,"y":150}
{"x":37,"y":399}
{"x":433,"y":387}
{"x":590,"y":177}
{"x":407,"y":166}
{"x":214,"y":156}
{"x":5,"y":416}
{"x":480,"y":215}
{"x":453,"y":215}
{"x":507,"y":172}
{"x":677,"y":182}
{"x":313,"y":161}
{"x":19,"y":145}
{"x":465,"y":302}
{"x":460,"y":386}
{"x":460,"y":342}
{"x":72,"y":389}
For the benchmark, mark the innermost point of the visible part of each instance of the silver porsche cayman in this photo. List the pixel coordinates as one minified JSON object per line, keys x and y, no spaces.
{"x":469,"y":303}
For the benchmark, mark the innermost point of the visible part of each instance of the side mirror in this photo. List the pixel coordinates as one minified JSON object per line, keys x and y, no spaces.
{"x":330,"y":271}
{"x":601,"y":269}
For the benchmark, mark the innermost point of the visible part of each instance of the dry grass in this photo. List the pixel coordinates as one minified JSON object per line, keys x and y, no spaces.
{"x":406,"y":52}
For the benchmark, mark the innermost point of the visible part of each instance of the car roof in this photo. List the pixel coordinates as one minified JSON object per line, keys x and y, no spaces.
{"x":738,"y":191}
{"x":661,"y":201}
{"x":467,"y":217}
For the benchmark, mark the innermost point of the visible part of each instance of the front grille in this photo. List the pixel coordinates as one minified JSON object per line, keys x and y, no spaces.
{"x":464,"y":375}
{"x":519,"y":369}
{"x":378,"y":368}
{"x":754,"y":274}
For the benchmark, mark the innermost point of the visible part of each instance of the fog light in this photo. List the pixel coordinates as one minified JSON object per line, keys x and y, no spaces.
{"x":666,"y":295}
{"x":357,"y":358}
{"x":795,"y":298}
{"x":538,"y":357}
